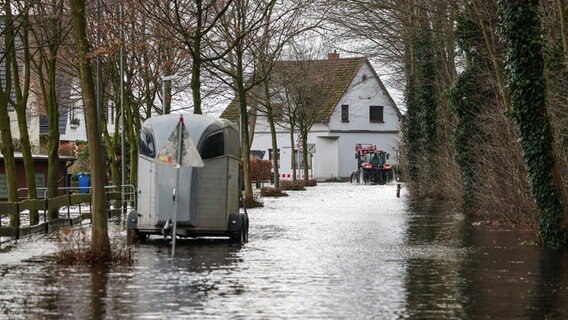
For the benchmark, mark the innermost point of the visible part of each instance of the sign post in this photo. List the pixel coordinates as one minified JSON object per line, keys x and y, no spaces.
{"x":178,"y":152}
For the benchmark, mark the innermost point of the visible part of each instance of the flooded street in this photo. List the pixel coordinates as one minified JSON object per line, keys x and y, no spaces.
{"x":335,"y":251}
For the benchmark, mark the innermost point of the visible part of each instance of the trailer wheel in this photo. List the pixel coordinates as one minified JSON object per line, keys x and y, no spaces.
{"x":246,"y":230}
{"x":238,"y":236}
{"x":133,"y":236}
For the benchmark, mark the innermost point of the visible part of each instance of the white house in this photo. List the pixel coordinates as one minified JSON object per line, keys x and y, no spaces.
{"x":357,"y":109}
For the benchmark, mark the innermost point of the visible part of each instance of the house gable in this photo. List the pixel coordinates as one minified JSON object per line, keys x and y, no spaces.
{"x":365,"y":92}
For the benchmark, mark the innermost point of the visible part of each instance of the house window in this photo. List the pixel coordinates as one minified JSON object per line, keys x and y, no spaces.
{"x":277,"y":112}
{"x":40,"y":182}
{"x":376,"y":114}
{"x":72,"y":114}
{"x":3,"y":186}
{"x":345,"y":113}
{"x":271,"y":154}
{"x":300,"y":159}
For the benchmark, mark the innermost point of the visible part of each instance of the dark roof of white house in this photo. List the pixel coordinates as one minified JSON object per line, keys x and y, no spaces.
{"x":333,"y":75}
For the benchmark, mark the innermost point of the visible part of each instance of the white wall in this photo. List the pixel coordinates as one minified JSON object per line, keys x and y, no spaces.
{"x":360,"y":96}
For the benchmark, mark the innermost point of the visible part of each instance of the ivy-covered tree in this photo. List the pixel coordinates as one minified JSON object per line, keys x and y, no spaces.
{"x":522,"y":32}
{"x":465,"y":98}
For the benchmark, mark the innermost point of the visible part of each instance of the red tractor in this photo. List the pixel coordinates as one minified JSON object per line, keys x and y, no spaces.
{"x":372,"y":166}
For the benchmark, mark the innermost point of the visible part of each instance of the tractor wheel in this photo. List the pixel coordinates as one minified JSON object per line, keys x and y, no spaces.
{"x":362,"y":177}
{"x":354,"y":177}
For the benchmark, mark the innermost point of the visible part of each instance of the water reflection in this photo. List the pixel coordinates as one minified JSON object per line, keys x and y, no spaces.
{"x":326,"y":253}
{"x":547,"y":300}
{"x":436,"y":282}
{"x":465,"y":272}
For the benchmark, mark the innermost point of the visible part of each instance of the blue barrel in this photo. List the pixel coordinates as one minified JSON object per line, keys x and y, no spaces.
{"x":84,"y":180}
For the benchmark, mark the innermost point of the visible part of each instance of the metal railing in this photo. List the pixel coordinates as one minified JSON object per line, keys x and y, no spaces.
{"x":128,"y":192}
{"x":72,"y":200}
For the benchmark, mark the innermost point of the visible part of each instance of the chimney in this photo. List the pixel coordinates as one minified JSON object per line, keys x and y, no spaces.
{"x":333,"y":55}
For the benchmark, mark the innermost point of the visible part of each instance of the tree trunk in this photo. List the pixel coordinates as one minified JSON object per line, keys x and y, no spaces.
{"x":133,"y":124}
{"x":100,"y":244}
{"x":22,"y":94}
{"x":7,"y":145}
{"x":53,"y":136}
{"x":275,"y":153}
{"x":561,"y":7}
{"x":305,"y":154}
{"x":293,"y":154}
{"x":528,"y":100}
{"x":245,"y":146}
{"x":196,"y":78}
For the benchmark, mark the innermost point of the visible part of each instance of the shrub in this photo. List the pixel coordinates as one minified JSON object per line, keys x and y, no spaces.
{"x":74,"y":249}
{"x":272,"y":192}
{"x":260,"y":169}
{"x":252,"y":202}
{"x":289,"y":185}
{"x":311,"y":183}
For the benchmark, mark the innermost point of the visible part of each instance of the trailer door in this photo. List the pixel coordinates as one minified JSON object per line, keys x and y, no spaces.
{"x":212,"y":194}
{"x":146,"y":180}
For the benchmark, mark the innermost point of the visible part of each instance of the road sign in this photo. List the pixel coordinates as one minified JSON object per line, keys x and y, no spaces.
{"x":169,"y":154}
{"x":312,"y":148}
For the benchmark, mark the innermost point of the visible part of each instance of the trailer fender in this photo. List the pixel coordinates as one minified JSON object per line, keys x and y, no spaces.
{"x":132,"y":220}
{"x":235,"y":221}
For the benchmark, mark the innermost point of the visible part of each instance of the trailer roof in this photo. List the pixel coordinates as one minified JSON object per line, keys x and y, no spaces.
{"x":198,"y":126}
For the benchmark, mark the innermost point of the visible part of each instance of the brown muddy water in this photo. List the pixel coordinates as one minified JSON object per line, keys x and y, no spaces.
{"x":335,"y":251}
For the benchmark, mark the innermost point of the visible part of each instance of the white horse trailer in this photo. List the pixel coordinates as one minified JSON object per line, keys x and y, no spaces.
{"x":208,"y":196}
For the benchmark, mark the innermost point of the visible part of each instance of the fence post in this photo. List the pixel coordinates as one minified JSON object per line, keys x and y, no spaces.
{"x":45,"y":210}
{"x":68,"y":208}
{"x":18,"y":221}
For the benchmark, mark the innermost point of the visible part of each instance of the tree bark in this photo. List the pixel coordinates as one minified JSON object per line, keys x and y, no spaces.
{"x":7,"y":145}
{"x":100,"y":244}
{"x":561,"y":6}
{"x":20,"y":106}
{"x":274,"y":140}
{"x":528,"y":99}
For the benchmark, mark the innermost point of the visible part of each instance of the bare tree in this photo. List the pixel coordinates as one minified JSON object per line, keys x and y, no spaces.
{"x":185,"y":25}
{"x":100,"y":244}
{"x":20,"y":59}
{"x":239,"y":30}
{"x":6,"y":86}
{"x":50,"y":33}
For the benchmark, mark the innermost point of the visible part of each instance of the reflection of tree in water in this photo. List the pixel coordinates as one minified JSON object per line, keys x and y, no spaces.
{"x":432,"y":222}
{"x":437,"y":240}
{"x":548,"y":296}
{"x":99,"y":280}
{"x":457,"y":271}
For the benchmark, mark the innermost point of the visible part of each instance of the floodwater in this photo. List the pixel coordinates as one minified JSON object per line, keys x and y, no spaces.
{"x":335,"y":251}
